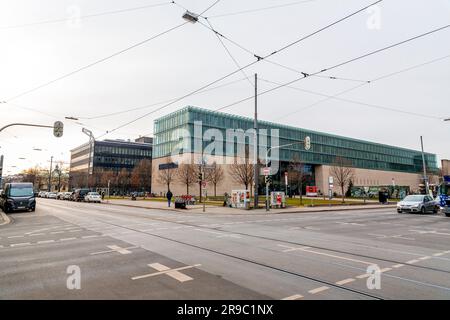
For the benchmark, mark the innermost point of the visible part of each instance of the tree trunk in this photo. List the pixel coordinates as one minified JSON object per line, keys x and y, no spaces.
{"x":343,"y":194}
{"x":187,"y":189}
{"x":215,"y":189}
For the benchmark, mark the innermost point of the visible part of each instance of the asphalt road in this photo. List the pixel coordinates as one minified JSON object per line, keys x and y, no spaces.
{"x":133,"y":253}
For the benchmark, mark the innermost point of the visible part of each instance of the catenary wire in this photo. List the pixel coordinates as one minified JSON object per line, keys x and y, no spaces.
{"x":338,"y":65}
{"x":95,"y":62}
{"x":261,"y":9}
{"x":246,"y":66}
{"x":364,"y":84}
{"x":86,"y":16}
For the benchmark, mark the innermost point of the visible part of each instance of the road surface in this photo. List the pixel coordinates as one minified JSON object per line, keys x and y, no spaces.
{"x":118,"y":252}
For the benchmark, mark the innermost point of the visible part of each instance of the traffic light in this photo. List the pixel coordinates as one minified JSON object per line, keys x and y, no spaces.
{"x":200,"y":176}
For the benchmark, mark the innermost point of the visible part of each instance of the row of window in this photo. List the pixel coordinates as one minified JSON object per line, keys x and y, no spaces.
{"x":115,"y":150}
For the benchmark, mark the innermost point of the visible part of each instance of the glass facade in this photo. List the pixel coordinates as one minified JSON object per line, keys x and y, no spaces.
{"x":324,"y":147}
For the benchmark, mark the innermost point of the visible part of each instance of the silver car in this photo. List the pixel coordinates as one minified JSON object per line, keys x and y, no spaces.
{"x":418,"y":203}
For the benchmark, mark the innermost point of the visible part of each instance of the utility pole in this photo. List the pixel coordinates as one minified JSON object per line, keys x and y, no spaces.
{"x":50,"y":175}
{"x":255,"y":147}
{"x":425,"y":178}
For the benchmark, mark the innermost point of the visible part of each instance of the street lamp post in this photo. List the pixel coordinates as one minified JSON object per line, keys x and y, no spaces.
{"x":425,"y":178}
{"x":307,"y":146}
{"x":50,"y":175}
{"x":91,"y":139}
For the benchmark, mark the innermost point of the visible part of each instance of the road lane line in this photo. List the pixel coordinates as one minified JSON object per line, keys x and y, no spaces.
{"x":67,"y":239}
{"x":412,"y":261}
{"x":57,"y":232}
{"x":398,"y":265}
{"x":438,"y":254}
{"x":345,"y":281}
{"x":317,"y":290}
{"x":88,"y":237}
{"x":36,"y":234}
{"x":12,"y":237}
{"x":20,"y":244}
{"x":293,"y":297}
{"x":174,"y":273}
{"x":424,"y":258}
{"x":385,"y":269}
{"x":362,"y":276}
{"x":45,"y":241}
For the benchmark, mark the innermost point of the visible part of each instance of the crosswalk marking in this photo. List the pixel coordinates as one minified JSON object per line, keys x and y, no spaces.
{"x":293,"y":297}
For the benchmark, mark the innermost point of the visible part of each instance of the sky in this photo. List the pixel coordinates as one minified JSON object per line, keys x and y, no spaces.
{"x":187,"y":58}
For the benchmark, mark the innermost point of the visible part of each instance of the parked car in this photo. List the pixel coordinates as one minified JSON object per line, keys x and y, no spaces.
{"x":67,"y":195}
{"x":40,"y":194}
{"x":45,"y":194}
{"x":60,"y":195}
{"x":93,"y":197}
{"x":418,"y":203}
{"x":78,"y":194}
{"x":52,"y":195}
{"x":18,"y":196}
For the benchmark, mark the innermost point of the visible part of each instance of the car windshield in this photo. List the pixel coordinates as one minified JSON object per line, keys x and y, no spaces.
{"x":94,"y":194}
{"x":25,"y":191}
{"x":414,"y":198}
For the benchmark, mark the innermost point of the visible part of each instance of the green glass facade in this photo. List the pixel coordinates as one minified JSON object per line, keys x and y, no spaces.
{"x":324,"y":149}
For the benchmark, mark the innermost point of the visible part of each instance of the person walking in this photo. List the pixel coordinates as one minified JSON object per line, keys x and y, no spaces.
{"x":169,"y":196}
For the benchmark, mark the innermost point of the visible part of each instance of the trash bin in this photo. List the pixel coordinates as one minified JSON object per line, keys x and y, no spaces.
{"x":180,"y":203}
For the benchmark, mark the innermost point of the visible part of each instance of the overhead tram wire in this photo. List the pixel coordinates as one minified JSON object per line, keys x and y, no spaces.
{"x":261,"y":9}
{"x":364,"y":84}
{"x":230,"y":55}
{"x":157,"y":103}
{"x":249,"y":65}
{"x":338,"y":65}
{"x":210,"y":7}
{"x":370,"y":105}
{"x":220,"y":35}
{"x":96,"y":62}
{"x":87,"y":16}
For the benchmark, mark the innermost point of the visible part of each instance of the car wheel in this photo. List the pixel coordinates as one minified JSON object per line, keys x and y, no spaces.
{"x":435,"y":210}
{"x":399,"y":211}
{"x":423,"y":211}
{"x":447,"y":214}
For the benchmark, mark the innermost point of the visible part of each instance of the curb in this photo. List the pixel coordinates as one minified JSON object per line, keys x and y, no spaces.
{"x":6,"y":219}
{"x":148,"y":208}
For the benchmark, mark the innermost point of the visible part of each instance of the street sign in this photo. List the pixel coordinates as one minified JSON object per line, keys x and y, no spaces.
{"x":307,"y":143}
{"x":266,"y":171}
{"x":330,"y":180}
{"x":58,"y":129}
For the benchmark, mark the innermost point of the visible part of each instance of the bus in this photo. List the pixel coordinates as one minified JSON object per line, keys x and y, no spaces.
{"x":444,"y":195}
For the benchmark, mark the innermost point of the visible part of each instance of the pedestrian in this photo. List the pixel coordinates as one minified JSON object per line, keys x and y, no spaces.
{"x":103,"y":195}
{"x":169,"y":197}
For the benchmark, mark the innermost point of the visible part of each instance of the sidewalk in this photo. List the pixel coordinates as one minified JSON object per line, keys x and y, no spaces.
{"x":225,"y":210}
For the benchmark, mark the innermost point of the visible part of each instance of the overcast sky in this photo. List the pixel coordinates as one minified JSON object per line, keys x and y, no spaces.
{"x":189,"y":57}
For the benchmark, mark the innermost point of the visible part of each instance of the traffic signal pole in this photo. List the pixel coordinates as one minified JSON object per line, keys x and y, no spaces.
{"x":255,"y":148}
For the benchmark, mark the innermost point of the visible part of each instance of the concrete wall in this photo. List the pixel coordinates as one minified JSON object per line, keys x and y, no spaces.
{"x":367,"y":177}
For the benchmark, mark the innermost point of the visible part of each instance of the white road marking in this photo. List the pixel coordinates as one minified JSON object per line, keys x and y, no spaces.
{"x":173,"y":273}
{"x":398,"y":265}
{"x":431,"y":232}
{"x":45,"y":241}
{"x":424,"y":258}
{"x":317,"y":290}
{"x":438,"y":254}
{"x":12,"y":237}
{"x":115,"y":248}
{"x":36,"y":234}
{"x":57,"y":232}
{"x":412,"y":261}
{"x":67,"y":239}
{"x":88,"y":237}
{"x":289,"y":249}
{"x":345,"y":281}
{"x":293,"y":297}
{"x":362,"y":276}
{"x":385,"y":269}
{"x":324,"y":254}
{"x":20,"y":244}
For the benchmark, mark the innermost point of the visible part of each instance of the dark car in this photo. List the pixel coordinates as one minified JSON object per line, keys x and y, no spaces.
{"x":18,"y":196}
{"x":78,"y":194}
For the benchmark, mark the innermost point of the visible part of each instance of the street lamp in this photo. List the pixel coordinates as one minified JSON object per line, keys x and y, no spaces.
{"x":190,"y":16}
{"x":91,"y":139}
{"x":307,"y":146}
{"x":72,"y":118}
{"x":447,"y":119}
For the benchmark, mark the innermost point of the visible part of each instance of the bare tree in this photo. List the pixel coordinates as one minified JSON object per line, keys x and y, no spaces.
{"x":166,"y":176}
{"x":141,"y":176}
{"x":123,"y":179}
{"x":296,"y":174}
{"x":215,"y":175}
{"x":242,"y":173}
{"x":187,"y":175}
{"x":343,"y":173}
